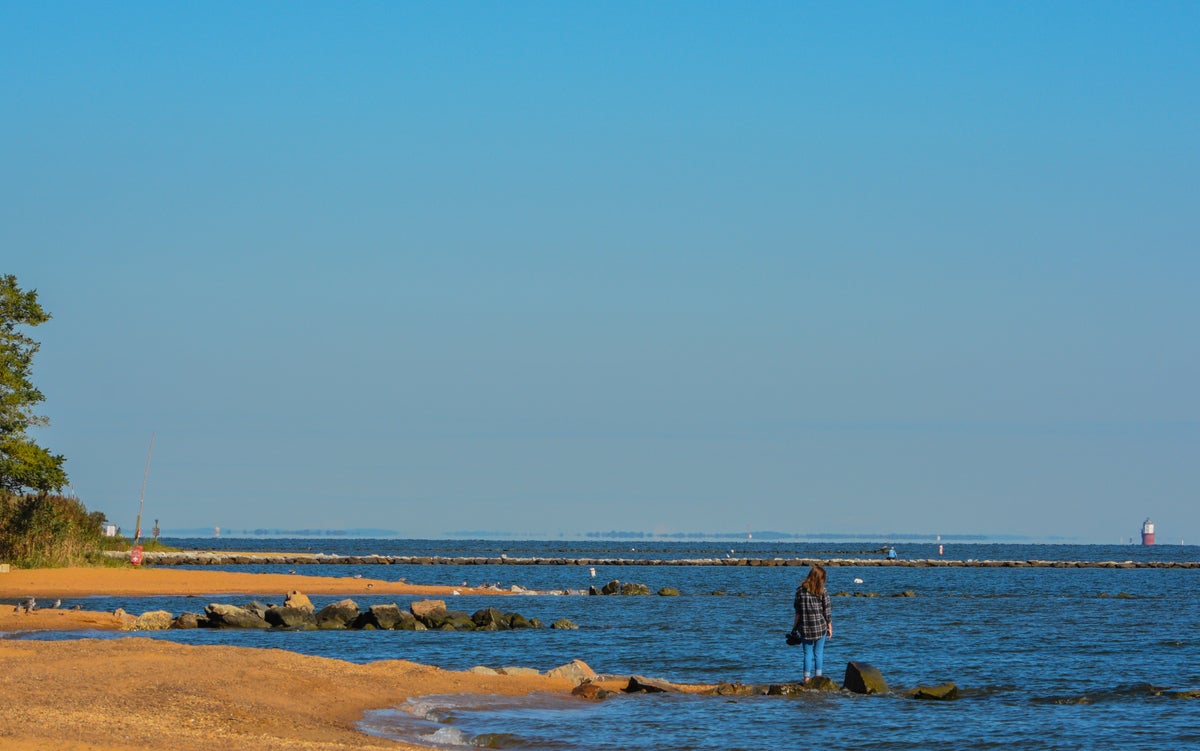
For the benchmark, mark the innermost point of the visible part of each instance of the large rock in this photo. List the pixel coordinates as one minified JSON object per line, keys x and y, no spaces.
{"x":337,"y":615}
{"x":564,"y":624}
{"x":458,"y":621}
{"x":863,"y":678}
{"x":384,"y":617}
{"x":612,"y":588}
{"x":297,"y":599}
{"x":489,"y":619}
{"x":221,"y":615}
{"x":154,"y":620}
{"x":629,"y":588}
{"x":287,"y":616}
{"x":668,"y":592}
{"x":945,"y":692}
{"x":576,"y":671}
{"x":423,"y":608}
{"x":408,"y":622}
{"x":516,"y":620}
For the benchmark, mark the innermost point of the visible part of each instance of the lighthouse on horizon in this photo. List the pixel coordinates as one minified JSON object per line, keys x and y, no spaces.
{"x":1147,"y":532}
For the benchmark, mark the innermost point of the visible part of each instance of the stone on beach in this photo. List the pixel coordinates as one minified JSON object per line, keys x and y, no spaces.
{"x":590,"y":691}
{"x":577,"y":671}
{"x":639,"y":684}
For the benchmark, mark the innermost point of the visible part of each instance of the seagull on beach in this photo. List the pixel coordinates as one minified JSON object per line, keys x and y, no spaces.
{"x":29,"y":605}
{"x":56,"y":604}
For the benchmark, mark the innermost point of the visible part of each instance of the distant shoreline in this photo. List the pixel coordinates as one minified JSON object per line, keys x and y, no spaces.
{"x":221,"y":558}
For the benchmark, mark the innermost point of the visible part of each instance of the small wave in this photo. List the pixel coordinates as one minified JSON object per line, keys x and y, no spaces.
{"x":432,"y":721}
{"x":1117,"y":693}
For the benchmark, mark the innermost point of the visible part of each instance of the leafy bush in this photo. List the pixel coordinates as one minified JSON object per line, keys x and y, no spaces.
{"x":42,"y":530}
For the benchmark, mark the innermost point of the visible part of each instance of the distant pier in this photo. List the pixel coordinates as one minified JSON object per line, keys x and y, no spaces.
{"x":213,"y":558}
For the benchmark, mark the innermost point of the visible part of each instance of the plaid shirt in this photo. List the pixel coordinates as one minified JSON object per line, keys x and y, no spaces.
{"x":815,"y":613}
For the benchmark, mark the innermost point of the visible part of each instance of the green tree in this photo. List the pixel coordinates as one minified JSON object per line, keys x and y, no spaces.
{"x":23,"y":463}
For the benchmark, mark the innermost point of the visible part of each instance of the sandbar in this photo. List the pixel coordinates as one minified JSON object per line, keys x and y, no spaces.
{"x":52,"y":583}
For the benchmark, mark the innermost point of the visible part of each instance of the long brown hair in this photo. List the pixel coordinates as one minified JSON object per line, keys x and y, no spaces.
{"x":814,"y":583}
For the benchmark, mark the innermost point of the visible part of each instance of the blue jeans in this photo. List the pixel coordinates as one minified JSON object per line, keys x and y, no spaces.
{"x":814,"y":656}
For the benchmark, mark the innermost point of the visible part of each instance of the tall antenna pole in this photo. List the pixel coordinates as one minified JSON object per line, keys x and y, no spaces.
{"x":138,"y":525}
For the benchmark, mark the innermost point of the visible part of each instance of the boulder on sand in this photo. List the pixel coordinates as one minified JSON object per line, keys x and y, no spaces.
{"x":639,"y":684}
{"x":576,"y":671}
{"x":590,"y":691}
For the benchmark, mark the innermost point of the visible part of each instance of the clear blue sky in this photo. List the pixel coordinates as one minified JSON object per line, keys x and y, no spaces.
{"x":563,"y":267}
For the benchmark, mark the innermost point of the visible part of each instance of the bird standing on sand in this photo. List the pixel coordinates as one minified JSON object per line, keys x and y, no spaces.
{"x":56,"y":604}
{"x":29,"y":605}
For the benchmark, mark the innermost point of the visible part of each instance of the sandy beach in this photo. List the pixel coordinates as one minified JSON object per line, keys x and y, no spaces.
{"x":156,"y":695}
{"x":102,"y":694}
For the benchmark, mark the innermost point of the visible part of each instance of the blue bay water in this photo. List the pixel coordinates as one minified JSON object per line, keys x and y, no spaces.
{"x":1053,"y":658}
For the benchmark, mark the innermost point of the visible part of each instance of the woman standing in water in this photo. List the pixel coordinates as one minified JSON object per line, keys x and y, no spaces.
{"x":814,"y":620}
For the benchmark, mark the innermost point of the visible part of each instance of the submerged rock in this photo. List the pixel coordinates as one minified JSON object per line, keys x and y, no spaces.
{"x":945,"y":692}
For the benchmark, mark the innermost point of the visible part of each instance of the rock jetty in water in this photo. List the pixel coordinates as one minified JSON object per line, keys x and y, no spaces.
{"x":298,"y":614}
